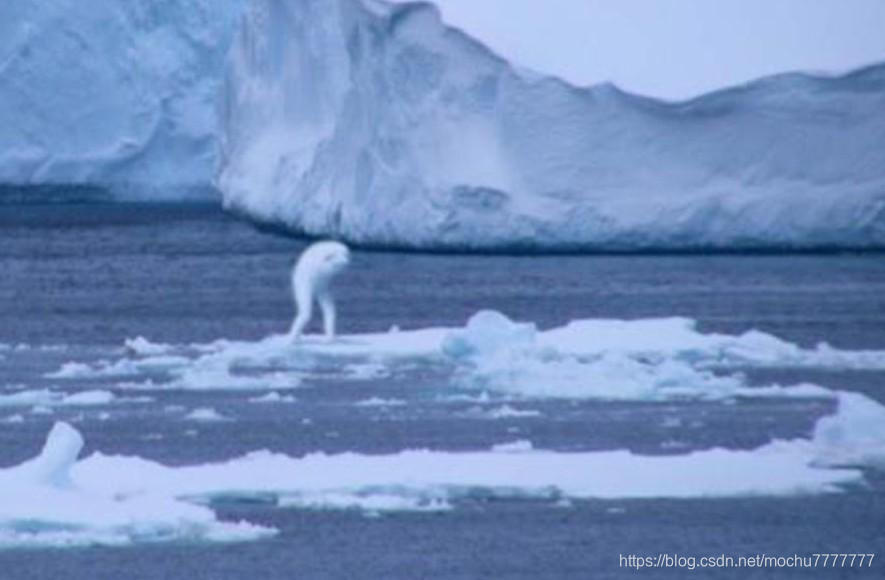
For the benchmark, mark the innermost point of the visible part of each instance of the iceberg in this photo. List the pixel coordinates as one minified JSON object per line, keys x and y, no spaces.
{"x":380,"y":125}
{"x":119,"y":96}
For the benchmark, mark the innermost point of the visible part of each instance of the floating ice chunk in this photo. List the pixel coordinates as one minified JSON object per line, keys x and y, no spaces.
{"x":502,"y":412}
{"x":854,"y":435}
{"x":518,"y":446}
{"x":507,"y":412}
{"x":49,"y":398}
{"x":120,"y":368}
{"x":373,"y":503}
{"x":649,"y":359}
{"x":679,"y":339}
{"x":633,"y":360}
{"x":205,"y":377}
{"x":43,"y":505}
{"x":780,"y":468}
{"x":143,"y":347}
{"x":488,"y":331}
{"x":273,"y":397}
{"x":366,"y":371}
{"x":481,"y":397}
{"x":801,"y":391}
{"x":71,"y":370}
{"x":205,"y":414}
{"x":28,"y":398}
{"x":95,"y":397}
{"x":500,"y":355}
{"x":380,"y":402}
{"x":52,"y":466}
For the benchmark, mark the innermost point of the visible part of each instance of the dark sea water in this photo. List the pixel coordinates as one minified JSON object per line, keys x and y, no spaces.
{"x":82,"y":278}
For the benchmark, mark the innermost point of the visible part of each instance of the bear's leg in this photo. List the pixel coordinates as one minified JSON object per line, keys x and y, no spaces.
{"x":327,"y":305}
{"x":304,"y":304}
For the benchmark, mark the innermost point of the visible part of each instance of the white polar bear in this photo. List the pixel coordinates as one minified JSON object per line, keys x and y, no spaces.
{"x":311,"y":279}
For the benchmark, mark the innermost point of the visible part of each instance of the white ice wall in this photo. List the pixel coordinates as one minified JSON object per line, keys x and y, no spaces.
{"x":123,"y":94}
{"x":383,"y":126}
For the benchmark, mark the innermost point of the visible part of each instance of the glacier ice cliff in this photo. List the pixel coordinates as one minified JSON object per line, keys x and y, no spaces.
{"x":382,"y":126}
{"x":116,"y":94}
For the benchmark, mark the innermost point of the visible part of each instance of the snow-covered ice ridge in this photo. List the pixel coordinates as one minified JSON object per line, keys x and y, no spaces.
{"x":382,"y":126}
{"x":54,"y":499}
{"x":117,"y":94}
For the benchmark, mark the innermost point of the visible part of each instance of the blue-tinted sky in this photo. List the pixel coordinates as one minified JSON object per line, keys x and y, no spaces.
{"x":676,"y":48}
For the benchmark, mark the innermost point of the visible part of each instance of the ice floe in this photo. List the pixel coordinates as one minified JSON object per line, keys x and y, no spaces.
{"x":273,"y":397}
{"x":54,"y":499}
{"x":47,"y":398}
{"x":45,"y":505}
{"x":855,"y":435}
{"x":205,"y":414}
{"x":380,"y":402}
{"x":501,"y":412}
{"x":647,"y":359}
